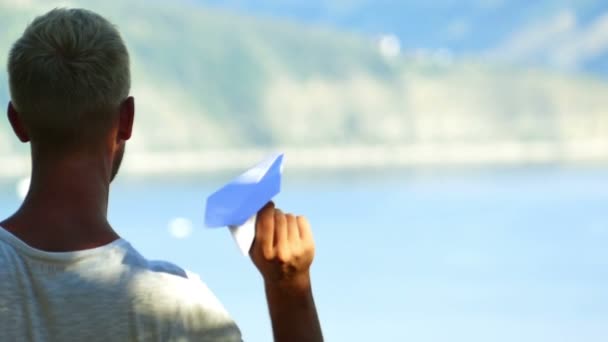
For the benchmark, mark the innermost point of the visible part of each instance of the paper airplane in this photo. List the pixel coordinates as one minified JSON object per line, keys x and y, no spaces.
{"x":237,"y":203}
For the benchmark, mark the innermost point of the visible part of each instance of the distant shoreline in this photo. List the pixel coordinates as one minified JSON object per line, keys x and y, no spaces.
{"x":431,"y":155}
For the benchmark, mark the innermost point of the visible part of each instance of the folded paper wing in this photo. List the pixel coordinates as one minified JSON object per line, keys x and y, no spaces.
{"x":236,"y":204}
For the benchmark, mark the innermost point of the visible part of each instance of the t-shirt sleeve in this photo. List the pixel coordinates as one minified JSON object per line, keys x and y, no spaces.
{"x":189,"y":309}
{"x":202,"y":317}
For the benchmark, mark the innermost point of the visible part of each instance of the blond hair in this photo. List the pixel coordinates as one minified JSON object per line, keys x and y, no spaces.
{"x":68,"y":73}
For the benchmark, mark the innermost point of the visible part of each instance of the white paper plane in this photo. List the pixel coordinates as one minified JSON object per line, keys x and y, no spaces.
{"x":236,"y":204}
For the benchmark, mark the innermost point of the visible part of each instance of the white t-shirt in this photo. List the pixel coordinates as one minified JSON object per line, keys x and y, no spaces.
{"x":109,"y":293}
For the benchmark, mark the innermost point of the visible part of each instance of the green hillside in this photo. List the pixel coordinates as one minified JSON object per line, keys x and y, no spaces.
{"x":206,"y":78}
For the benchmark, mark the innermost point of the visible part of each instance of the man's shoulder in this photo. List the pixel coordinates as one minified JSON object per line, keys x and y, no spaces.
{"x":138,"y":263}
{"x":162,"y":266}
{"x":120,"y":291}
{"x":164,"y":290}
{"x":161,"y":277}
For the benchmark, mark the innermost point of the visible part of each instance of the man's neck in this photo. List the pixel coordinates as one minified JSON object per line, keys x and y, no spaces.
{"x":66,"y":207}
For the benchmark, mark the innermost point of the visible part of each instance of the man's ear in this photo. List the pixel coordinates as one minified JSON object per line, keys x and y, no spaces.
{"x":127,"y":114}
{"x":17,"y":124}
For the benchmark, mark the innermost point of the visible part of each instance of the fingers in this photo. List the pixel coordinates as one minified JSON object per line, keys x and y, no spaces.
{"x":304,"y":229}
{"x":283,"y":249}
{"x":265,"y":230}
{"x":280,"y":230}
{"x":281,"y":235}
{"x":293,"y":233}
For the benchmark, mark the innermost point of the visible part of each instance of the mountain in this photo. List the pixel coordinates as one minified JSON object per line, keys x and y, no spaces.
{"x":210,"y":78}
{"x":563,"y":34}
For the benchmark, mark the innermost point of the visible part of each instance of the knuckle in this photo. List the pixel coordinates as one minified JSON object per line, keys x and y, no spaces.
{"x":266,"y":210}
{"x":268,"y":254}
{"x":311,"y":249}
{"x":261,"y":233}
{"x":302,"y":220}
{"x":290,"y":218}
{"x":297,"y":249}
{"x":281,"y":219}
{"x":263,"y":220}
{"x":283,"y":255}
{"x":307,"y":247}
{"x":266,"y":219}
{"x":292,"y":223}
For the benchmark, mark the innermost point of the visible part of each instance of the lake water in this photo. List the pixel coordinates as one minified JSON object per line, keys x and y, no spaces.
{"x":494,"y":255}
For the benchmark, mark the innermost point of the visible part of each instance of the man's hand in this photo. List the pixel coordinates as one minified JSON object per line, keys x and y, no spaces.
{"x":283,"y":251}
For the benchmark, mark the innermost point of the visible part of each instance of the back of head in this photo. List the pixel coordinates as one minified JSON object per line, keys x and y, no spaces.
{"x":68,"y":74}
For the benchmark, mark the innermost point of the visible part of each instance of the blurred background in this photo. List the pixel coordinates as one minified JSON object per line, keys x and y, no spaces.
{"x":452,"y":156}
